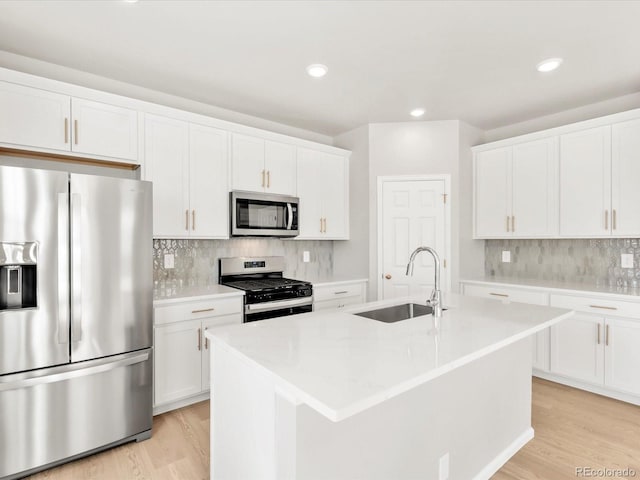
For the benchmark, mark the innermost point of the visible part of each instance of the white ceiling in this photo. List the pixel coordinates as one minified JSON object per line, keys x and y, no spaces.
{"x":473,"y":61}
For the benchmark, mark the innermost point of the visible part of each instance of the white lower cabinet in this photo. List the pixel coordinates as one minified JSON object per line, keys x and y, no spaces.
{"x":596,"y":349}
{"x":181,"y":358}
{"x":540,"y":350}
{"x":330,"y":296}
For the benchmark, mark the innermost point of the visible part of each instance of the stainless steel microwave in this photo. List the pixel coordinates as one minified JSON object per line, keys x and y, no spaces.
{"x":263,"y":215}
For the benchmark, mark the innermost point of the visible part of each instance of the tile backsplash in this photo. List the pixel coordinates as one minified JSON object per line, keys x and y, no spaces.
{"x":587,"y":261}
{"x":196,"y":261}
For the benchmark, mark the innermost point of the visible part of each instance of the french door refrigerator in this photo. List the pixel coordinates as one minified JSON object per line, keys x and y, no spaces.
{"x":75,"y":316}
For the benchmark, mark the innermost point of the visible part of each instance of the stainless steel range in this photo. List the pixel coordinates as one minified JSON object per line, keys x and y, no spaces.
{"x":267,"y":293}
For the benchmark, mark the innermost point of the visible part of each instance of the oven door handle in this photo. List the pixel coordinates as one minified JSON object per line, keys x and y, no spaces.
{"x":268,"y":306}
{"x":290,"y":221}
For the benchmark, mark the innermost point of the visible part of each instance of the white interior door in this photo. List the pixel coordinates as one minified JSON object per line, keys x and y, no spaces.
{"x":413,"y":215}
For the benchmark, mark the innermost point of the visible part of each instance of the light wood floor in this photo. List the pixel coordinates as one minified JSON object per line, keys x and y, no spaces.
{"x":573,"y":429}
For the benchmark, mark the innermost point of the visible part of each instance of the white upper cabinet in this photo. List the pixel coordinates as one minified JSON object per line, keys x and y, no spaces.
{"x":187,"y":164}
{"x":585,"y":183}
{"x":516,"y":191}
{"x":105,"y":130}
{"x":30,"y":117}
{"x":493,"y":193}
{"x":534,"y":187}
{"x":625,"y":150}
{"x":247,"y":163}
{"x":263,"y":166}
{"x":208,"y":182}
{"x":167,"y":166}
{"x":280,"y":167}
{"x":323,"y":188}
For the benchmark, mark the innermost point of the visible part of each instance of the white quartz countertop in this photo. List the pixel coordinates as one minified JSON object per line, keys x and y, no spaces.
{"x":619,"y":293}
{"x":341,"y":364}
{"x":187,"y":294}
{"x":338,"y":281}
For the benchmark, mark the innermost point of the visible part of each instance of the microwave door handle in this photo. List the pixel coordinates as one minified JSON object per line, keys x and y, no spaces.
{"x":290,"y":222}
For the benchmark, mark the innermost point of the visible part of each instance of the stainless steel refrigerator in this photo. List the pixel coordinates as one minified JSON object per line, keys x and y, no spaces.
{"x":75,"y":316}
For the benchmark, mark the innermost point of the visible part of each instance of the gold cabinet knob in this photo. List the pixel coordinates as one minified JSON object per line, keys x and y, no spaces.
{"x":388,"y":276}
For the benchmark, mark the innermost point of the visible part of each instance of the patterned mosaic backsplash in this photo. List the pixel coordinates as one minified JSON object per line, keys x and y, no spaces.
{"x":196,"y":261}
{"x":588,"y":261}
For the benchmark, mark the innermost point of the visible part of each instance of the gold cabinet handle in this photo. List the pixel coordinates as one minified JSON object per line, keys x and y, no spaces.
{"x":341,"y":292}
{"x":598,"y":334}
{"x":507,"y":223}
{"x":186,"y":220}
{"x":388,"y":276}
{"x":268,"y":178}
{"x":606,"y":336}
{"x":499,"y":294}
{"x":325,"y":224}
{"x":263,"y":174}
{"x":193,"y":219}
{"x":320,"y":224}
{"x":603,"y":307}
{"x":206,"y":341}
{"x":203,"y":310}
{"x":66,"y":130}
{"x":615,"y":219}
{"x":75,"y":132}
{"x":513,"y":223}
{"x":199,"y":339}
{"x":606,"y":219}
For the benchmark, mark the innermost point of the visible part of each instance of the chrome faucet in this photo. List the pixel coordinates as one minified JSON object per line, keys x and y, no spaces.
{"x":436,"y":295}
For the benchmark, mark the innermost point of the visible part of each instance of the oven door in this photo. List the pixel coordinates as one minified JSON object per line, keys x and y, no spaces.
{"x":263,"y":311}
{"x":268,"y":215}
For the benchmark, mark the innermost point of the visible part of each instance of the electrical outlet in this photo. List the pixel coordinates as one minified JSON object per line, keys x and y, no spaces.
{"x":444,"y":467}
{"x":506,"y":256}
{"x":626,"y":260}
{"x":306,"y":257}
{"x":169,"y":260}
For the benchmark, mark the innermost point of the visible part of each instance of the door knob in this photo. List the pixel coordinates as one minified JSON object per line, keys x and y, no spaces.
{"x":388,"y":276}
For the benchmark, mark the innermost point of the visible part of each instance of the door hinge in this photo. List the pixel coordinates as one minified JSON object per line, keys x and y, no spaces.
{"x":444,"y":198}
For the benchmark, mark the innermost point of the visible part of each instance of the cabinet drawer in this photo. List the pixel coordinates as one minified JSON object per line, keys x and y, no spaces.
{"x":331,"y":292}
{"x":510,"y":294}
{"x":596,"y":305}
{"x":336,"y":303}
{"x":196,"y":310}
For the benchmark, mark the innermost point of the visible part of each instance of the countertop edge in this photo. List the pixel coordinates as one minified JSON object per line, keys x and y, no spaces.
{"x":339,"y":282}
{"x":628,"y":297}
{"x":195,"y":298}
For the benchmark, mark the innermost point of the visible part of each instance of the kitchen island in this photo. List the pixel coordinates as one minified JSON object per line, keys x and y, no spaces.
{"x":333,"y":395}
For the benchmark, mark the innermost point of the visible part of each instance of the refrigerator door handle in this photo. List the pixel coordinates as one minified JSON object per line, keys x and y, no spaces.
{"x":63,"y":268}
{"x":76,"y":269}
{"x":67,"y":372}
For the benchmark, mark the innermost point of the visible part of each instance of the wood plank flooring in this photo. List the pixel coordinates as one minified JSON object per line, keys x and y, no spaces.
{"x":573,"y":429}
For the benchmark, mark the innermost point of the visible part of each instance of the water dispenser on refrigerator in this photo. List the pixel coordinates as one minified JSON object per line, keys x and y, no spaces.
{"x":18,"y":275}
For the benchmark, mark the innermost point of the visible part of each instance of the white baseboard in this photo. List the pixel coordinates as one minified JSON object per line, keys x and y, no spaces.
{"x":183,"y":402}
{"x":503,"y":457}
{"x":605,"y":392}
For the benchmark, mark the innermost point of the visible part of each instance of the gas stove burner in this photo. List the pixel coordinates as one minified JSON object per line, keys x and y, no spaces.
{"x":264,"y":284}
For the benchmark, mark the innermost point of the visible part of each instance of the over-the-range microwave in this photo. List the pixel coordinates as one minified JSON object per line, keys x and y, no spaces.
{"x":263,"y":215}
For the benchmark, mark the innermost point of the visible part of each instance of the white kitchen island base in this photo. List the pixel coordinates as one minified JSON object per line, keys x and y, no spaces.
{"x":333,"y":395}
{"x":479,"y":414}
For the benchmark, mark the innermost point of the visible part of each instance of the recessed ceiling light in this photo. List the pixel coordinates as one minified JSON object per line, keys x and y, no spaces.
{"x":417,"y":112}
{"x":317,"y":70}
{"x":130,"y":1}
{"x":549,"y":65}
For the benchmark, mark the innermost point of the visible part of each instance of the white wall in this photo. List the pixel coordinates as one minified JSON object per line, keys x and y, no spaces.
{"x":586,"y":112}
{"x":471,"y":251}
{"x":88,"y":80}
{"x":351,"y":258}
{"x":413,"y":148}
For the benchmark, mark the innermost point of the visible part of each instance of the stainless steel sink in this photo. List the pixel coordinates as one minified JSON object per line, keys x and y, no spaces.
{"x":397,"y":313}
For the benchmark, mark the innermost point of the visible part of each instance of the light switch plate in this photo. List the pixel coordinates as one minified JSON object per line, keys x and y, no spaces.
{"x":169,"y":260}
{"x":306,"y":257}
{"x":626,"y":260}
{"x":506,"y":256}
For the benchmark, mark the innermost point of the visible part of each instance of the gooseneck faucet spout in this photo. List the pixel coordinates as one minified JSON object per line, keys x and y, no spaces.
{"x":436,"y":295}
